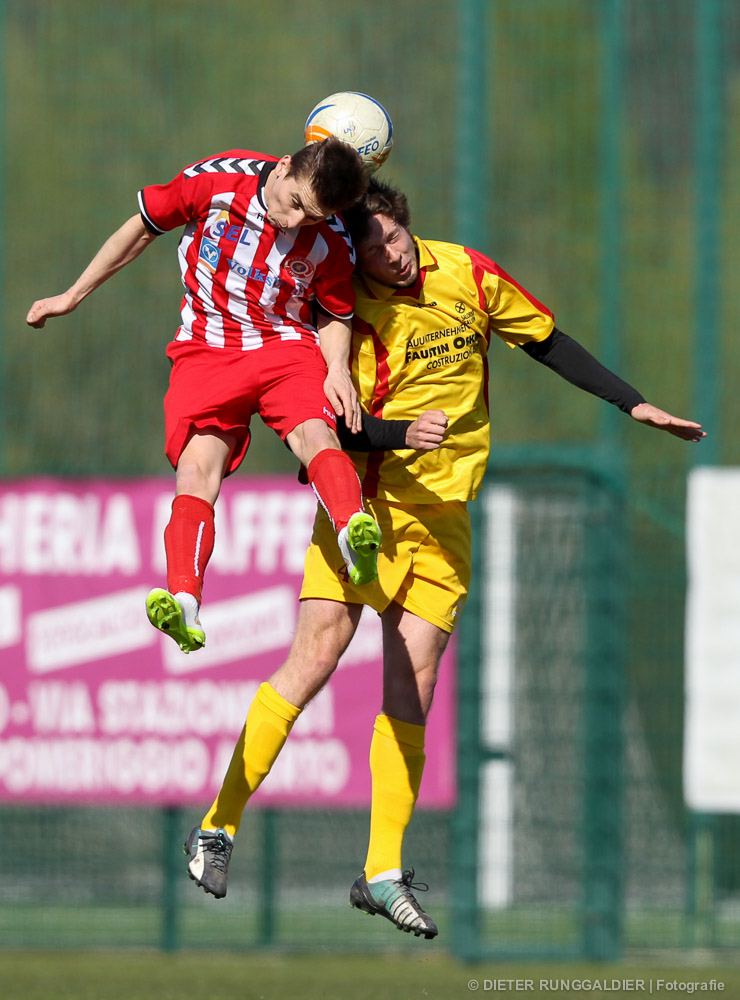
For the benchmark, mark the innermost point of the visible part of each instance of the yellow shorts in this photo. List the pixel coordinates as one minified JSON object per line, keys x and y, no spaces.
{"x":424,"y":561}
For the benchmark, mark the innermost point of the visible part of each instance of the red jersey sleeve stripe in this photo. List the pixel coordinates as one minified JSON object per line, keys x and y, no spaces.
{"x":482,"y":264}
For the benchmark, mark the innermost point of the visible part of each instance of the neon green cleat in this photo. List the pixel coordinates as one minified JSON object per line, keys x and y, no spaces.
{"x":359,"y":543}
{"x":165,"y":613}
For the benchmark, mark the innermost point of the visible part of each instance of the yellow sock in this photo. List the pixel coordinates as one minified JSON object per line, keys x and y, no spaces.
{"x":396,"y":766}
{"x":269,"y":721}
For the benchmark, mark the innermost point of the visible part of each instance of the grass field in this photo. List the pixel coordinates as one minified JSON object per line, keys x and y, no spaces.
{"x":40,"y":975}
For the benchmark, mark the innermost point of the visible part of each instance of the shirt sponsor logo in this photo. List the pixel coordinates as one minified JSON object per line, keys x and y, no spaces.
{"x":439,"y":345}
{"x":225,"y":230}
{"x":300,"y":267}
{"x":255,"y":274}
{"x":209,"y":253}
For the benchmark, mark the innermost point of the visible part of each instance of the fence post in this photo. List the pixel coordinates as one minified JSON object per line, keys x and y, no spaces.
{"x":472,"y":174}
{"x":465,"y":912}
{"x":708,"y":141}
{"x":171,"y":872}
{"x":702,"y":863}
{"x":268,"y":876}
{"x":612,"y":204}
{"x":603,"y":724}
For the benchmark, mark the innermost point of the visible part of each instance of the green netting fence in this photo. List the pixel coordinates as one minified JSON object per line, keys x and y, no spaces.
{"x":592,"y":150}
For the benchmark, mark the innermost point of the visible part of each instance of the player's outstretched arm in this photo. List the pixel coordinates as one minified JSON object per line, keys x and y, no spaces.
{"x":687,"y":430}
{"x":118,"y":250}
{"x":573,"y":362}
{"x":334,"y":337}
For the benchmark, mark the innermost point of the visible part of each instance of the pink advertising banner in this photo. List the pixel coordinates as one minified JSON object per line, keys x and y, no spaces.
{"x":97,"y":706}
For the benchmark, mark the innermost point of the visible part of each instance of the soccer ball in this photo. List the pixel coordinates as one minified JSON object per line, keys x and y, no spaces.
{"x":357,"y":120}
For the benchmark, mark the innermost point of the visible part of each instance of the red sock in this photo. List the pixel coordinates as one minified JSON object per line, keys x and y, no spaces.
{"x":188,"y":543}
{"x":335,"y":482}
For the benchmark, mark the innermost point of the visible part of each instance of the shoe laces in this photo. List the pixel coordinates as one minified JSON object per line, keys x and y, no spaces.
{"x":219,"y":847}
{"x":407,"y":881}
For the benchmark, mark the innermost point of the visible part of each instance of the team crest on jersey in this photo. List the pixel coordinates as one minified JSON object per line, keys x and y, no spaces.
{"x":209,"y":253}
{"x":300,"y":267}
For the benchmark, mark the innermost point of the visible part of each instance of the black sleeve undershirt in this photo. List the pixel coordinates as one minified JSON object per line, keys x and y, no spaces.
{"x":376,"y":434}
{"x":573,"y":363}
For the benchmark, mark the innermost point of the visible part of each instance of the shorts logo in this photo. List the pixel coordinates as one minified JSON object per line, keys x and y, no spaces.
{"x":329,"y":414}
{"x":300,"y":267}
{"x":209,"y":253}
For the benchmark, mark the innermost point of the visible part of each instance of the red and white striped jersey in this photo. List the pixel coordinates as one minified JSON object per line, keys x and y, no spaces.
{"x":247,"y":282}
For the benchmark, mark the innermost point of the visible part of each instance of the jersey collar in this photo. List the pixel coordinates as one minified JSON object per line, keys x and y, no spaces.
{"x":265,"y":172}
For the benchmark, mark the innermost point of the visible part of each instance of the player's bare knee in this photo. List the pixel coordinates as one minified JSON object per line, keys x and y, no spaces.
{"x":195,"y":481}
{"x":309,"y":438}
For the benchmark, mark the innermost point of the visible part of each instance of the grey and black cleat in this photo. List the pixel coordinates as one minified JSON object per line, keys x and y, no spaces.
{"x":394,"y":900}
{"x":209,"y":852}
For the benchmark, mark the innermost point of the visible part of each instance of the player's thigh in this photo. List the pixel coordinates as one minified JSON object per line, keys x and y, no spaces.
{"x":325,"y":573}
{"x":437,"y":583}
{"x":325,"y":628}
{"x":210,"y":390}
{"x":292,"y":378}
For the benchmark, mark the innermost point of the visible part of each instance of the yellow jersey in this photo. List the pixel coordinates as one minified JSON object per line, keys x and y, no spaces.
{"x":425,"y":347}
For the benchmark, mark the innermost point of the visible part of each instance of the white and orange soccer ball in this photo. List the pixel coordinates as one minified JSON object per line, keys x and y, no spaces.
{"x":356,"y":119}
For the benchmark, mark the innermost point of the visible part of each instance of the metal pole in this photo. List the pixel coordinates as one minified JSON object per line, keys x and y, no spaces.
{"x":270,"y":826}
{"x":603,"y":722}
{"x":707,"y":140}
{"x":611,"y":202}
{"x":171,"y":872}
{"x":465,"y":848}
{"x":471,"y":221}
{"x":707,"y":157}
{"x":474,"y":127}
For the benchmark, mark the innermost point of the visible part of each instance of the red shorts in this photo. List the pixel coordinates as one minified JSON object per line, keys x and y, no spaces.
{"x":212,"y":387}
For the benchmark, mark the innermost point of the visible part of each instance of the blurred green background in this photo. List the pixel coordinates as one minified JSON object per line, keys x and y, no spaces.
{"x":589,"y":146}
{"x":571,"y":152}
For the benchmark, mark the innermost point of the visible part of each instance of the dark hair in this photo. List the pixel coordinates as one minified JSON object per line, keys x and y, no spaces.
{"x":334,"y":170}
{"x":379,"y":199}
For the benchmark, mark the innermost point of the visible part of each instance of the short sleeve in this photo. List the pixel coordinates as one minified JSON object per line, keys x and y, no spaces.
{"x":516,"y":316}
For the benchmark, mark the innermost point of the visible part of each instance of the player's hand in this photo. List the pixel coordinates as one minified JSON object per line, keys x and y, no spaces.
{"x":342,"y":395}
{"x":427,"y":431}
{"x":43,"y":309}
{"x":687,"y":430}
